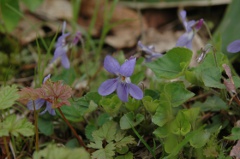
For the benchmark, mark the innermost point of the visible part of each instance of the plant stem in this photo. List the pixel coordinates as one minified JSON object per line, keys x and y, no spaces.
{"x":36,"y":127}
{"x":72,"y":129}
{"x":6,"y":147}
{"x":211,"y":39}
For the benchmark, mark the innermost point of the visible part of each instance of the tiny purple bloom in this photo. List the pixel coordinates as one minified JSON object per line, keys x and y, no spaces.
{"x":122,"y":84}
{"x":234,"y":46}
{"x":64,"y":42}
{"x":40,"y":102}
{"x":191,"y":28}
{"x":150,"y":52}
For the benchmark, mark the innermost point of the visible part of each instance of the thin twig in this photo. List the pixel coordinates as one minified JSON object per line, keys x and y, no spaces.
{"x":73,"y":130}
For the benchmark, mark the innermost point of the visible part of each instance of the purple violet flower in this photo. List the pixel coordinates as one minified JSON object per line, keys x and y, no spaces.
{"x":40,"y":102}
{"x":150,"y":52}
{"x":191,"y":28}
{"x":234,"y":46}
{"x":64,"y":43}
{"x":122,"y":83}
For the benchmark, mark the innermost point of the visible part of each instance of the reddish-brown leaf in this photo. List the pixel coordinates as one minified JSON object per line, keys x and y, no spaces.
{"x":56,"y":93}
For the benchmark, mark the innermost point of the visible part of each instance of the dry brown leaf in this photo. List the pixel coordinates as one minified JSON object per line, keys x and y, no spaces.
{"x":157,"y":18}
{"x":162,"y":41}
{"x":55,"y":9}
{"x":126,"y":34}
{"x":31,"y":28}
{"x":122,"y":35}
{"x":28,"y":29}
{"x":42,"y":21}
{"x":86,"y":13}
{"x":235,"y":152}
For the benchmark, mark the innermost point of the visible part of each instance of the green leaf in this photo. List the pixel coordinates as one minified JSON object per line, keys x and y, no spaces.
{"x":152,"y":93}
{"x":8,"y":95}
{"x":14,"y":126}
{"x":191,"y":114}
{"x":235,"y":134}
{"x":67,"y":75}
{"x":111,"y":105}
{"x":229,"y":26}
{"x":138,"y":77}
{"x":209,"y":60}
{"x":73,"y":143}
{"x":208,"y":72}
{"x":175,"y":149}
{"x":52,"y":151}
{"x":162,"y":132}
{"x":96,"y":145}
{"x":212,"y":77}
{"x":213,"y":103}
{"x":199,"y":139}
{"x":10,"y":13}
{"x":172,"y":64}
{"x":106,"y":132}
{"x":122,"y":150}
{"x":79,"y":107}
{"x":150,"y":104}
{"x":129,"y":120}
{"x":132,"y":104}
{"x":89,"y":129}
{"x":32,"y":5}
{"x":106,"y":152}
{"x":170,"y":142}
{"x":71,"y":112}
{"x":94,"y":96}
{"x":45,"y":126}
{"x":129,"y":155}
{"x":176,"y":93}
{"x":181,"y":125}
{"x":193,"y":76}
{"x":236,"y":80}
{"x":125,"y":141}
{"x":103,"y":118}
{"x":163,"y":113}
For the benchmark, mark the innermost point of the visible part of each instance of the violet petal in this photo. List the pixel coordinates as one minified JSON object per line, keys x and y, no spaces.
{"x":59,"y":52}
{"x":183,"y":14}
{"x":122,"y":92}
{"x":185,"y":40}
{"x":189,"y":44}
{"x":135,"y":91}
{"x":127,"y":67}
{"x":111,"y":64}
{"x":49,"y":109}
{"x":61,"y":41}
{"x":190,"y":24}
{"x":234,"y":46}
{"x":147,"y":49}
{"x":65,"y":61}
{"x":38,"y":104}
{"x":199,"y":24}
{"x":108,"y":87}
{"x":77,"y":38}
{"x":46,"y":78}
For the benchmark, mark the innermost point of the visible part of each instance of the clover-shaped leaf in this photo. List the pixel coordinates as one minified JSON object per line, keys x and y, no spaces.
{"x":172,"y":64}
{"x":129,"y":120}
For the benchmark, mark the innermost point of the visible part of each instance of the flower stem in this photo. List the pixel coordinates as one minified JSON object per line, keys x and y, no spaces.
{"x":36,"y":126}
{"x":6,"y":147}
{"x":80,"y":141}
